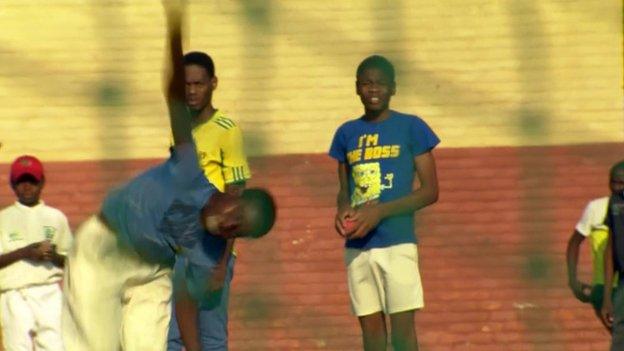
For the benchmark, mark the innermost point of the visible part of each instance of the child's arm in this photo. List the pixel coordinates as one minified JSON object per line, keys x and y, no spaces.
{"x":607,"y":304}
{"x":369,"y":216}
{"x":37,"y":252}
{"x":56,"y":258}
{"x":219,"y":273}
{"x":343,"y":203}
{"x":581,"y":290}
{"x":178,"y":113}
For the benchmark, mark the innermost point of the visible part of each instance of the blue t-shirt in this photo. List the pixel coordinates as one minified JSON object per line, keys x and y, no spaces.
{"x":380,"y":162}
{"x":157,"y":214}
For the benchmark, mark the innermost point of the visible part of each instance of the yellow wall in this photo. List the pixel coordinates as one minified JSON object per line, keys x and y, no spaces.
{"x":82,"y":79}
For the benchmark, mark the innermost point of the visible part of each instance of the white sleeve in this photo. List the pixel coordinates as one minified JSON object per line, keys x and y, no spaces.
{"x":64,"y":240}
{"x":588,"y":219}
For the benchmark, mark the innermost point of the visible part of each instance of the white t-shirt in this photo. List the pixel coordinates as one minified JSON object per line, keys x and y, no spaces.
{"x":21,"y":226}
{"x":591,"y":225}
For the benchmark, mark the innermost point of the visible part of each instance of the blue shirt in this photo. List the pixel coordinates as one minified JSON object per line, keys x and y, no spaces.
{"x":157,"y":214}
{"x":380,"y":162}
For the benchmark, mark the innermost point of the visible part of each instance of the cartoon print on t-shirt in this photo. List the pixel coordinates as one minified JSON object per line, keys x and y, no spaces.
{"x":368,"y":184}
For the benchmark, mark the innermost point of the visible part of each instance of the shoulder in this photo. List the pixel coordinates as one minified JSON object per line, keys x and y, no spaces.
{"x":598,"y":205}
{"x":53,"y":211}
{"x":410,"y":119}
{"x":350,"y":125}
{"x":7,"y":211}
{"x":223,"y":121}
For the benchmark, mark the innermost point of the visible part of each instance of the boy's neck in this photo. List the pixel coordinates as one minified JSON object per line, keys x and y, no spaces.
{"x":205,"y":114}
{"x":376,"y":116}
{"x":33,"y":204}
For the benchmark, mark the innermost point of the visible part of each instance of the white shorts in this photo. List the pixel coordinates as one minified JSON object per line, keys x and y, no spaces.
{"x":384,"y":279}
{"x":113,"y":299}
{"x":32,"y":316}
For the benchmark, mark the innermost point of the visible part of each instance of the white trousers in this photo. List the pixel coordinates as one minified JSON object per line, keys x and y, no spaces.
{"x":31,"y":318}
{"x":113,"y":299}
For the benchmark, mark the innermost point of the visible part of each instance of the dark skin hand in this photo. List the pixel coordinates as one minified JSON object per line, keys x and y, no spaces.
{"x":36,"y":252}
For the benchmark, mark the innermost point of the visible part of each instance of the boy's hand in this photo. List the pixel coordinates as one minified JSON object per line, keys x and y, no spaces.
{"x":341,"y":218}
{"x":367,"y":218}
{"x":607,"y":313}
{"x":581,"y":291}
{"x":41,"y":251}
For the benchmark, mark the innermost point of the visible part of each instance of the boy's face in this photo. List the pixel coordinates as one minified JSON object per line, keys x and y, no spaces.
{"x":616,"y":183}
{"x":28,"y":190}
{"x":199,"y":87}
{"x":225,"y":216}
{"x":374,"y":89}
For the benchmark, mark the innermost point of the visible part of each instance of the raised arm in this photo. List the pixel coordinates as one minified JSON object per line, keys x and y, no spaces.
{"x":179,"y":115}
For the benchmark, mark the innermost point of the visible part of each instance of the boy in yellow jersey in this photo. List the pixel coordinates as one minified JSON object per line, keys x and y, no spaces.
{"x":591,"y":226}
{"x":220,"y":152}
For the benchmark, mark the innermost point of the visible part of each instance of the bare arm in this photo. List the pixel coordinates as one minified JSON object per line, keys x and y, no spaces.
{"x":607,"y":304}
{"x":37,"y":252}
{"x":217,"y":278}
{"x":343,"y":203}
{"x":187,"y":318}
{"x":369,"y":216}
{"x":581,"y":290}
{"x":179,"y":116}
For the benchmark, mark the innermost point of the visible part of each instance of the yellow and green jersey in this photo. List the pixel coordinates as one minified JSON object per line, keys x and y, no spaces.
{"x":591,"y":225}
{"x":220,"y":151}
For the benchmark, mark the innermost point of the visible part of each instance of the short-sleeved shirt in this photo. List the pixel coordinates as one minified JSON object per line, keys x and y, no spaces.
{"x":22,"y":225}
{"x":220,"y":151}
{"x":158,"y":213}
{"x":592,"y":226}
{"x":380,"y":162}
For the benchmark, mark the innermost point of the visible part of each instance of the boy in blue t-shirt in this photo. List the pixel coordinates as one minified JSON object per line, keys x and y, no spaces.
{"x":379,"y":155}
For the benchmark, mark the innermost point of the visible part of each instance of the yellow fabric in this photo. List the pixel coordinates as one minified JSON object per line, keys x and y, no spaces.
{"x":220,"y":151}
{"x":598,"y":243}
{"x":112,"y":297}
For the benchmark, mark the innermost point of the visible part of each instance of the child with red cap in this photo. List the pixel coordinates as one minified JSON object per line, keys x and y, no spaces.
{"x":34,"y":239}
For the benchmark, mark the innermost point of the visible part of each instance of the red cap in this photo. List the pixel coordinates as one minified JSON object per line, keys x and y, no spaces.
{"x":26,"y":165}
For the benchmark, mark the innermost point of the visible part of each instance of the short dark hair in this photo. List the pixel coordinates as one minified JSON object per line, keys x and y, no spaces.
{"x":200,"y":59}
{"x":618,"y":167}
{"x":264,"y":207}
{"x":379,"y":62}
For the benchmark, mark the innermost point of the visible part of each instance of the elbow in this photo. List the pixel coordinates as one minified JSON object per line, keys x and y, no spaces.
{"x":433,"y":196}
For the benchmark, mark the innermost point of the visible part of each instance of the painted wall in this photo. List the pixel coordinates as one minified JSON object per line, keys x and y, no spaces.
{"x":81,"y":80}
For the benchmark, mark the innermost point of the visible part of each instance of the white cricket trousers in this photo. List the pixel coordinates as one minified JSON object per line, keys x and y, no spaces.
{"x":31,"y":318}
{"x":113,"y":299}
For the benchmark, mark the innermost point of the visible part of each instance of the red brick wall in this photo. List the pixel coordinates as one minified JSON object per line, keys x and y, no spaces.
{"x":492,"y":249}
